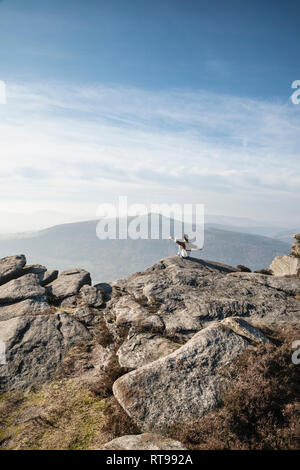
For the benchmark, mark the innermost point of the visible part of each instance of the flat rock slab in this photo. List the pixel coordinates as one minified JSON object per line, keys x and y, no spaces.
{"x":146,"y":441}
{"x":183,"y":385}
{"x":142,"y":348}
{"x":25,"y":287}
{"x":68,"y":283}
{"x":25,"y":307}
{"x":34,"y":347}
{"x":11,"y":267}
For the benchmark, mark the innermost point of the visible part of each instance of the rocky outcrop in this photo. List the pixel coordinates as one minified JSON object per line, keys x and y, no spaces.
{"x":288,"y":265}
{"x":35,"y":346}
{"x":285,"y":265}
{"x":34,"y":331}
{"x":185,"y":384}
{"x":25,"y":287}
{"x":146,"y":441}
{"x":295,"y":248}
{"x":11,"y":267}
{"x":177,"y":298}
{"x":68,"y":284}
{"x":171,"y":330}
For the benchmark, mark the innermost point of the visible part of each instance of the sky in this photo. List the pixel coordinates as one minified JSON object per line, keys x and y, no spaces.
{"x":164,"y":101}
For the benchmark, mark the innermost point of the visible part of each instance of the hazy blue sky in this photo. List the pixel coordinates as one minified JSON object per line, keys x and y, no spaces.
{"x":162,"y":100}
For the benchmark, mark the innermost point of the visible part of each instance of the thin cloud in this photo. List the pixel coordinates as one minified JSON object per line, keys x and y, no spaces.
{"x":80,"y":141}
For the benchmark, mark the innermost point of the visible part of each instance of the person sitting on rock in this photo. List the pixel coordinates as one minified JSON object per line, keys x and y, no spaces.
{"x":185,"y":247}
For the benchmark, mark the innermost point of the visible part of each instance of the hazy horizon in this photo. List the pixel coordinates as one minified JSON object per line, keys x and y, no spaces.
{"x":18,"y":224}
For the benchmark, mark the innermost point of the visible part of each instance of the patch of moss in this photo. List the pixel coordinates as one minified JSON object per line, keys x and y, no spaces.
{"x":61,"y":415}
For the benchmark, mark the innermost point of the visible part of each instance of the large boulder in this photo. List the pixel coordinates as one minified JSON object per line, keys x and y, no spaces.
{"x":25,"y":287}
{"x":34,"y":347}
{"x":26,"y":307}
{"x":11,"y":267}
{"x":286,"y":265}
{"x":183,"y":385}
{"x":146,"y":441}
{"x":91,"y":296}
{"x":68,"y":284}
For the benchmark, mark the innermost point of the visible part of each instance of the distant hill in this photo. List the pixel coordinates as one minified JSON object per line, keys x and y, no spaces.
{"x":76,"y":245}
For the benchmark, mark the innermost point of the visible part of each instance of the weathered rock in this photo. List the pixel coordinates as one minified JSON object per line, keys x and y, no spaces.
{"x":37,"y":269}
{"x":84,"y":314}
{"x":267,"y":272}
{"x":143,"y":348}
{"x":177,"y":298}
{"x":25,"y":287}
{"x":286,"y":265}
{"x":49,"y":276}
{"x":131,"y":314}
{"x":68,"y":283}
{"x":35,"y":346}
{"x":295,"y":248}
{"x":243,"y":268}
{"x":11,"y":267}
{"x":45,"y":276}
{"x":69,"y":302}
{"x":26,"y":307}
{"x":146,"y":441}
{"x":297,"y":236}
{"x":243,"y":328}
{"x":105,"y":288}
{"x":281,"y":284}
{"x":183,"y":385}
{"x":91,"y":296}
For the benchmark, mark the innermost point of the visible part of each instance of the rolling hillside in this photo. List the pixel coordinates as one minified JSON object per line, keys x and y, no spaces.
{"x":76,"y":244}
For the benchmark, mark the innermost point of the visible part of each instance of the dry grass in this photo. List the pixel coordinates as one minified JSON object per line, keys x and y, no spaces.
{"x":117,"y":422}
{"x":261,"y":408}
{"x":103,"y":386}
{"x":62,"y":415}
{"x":103,"y":335}
{"x":75,"y":361}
